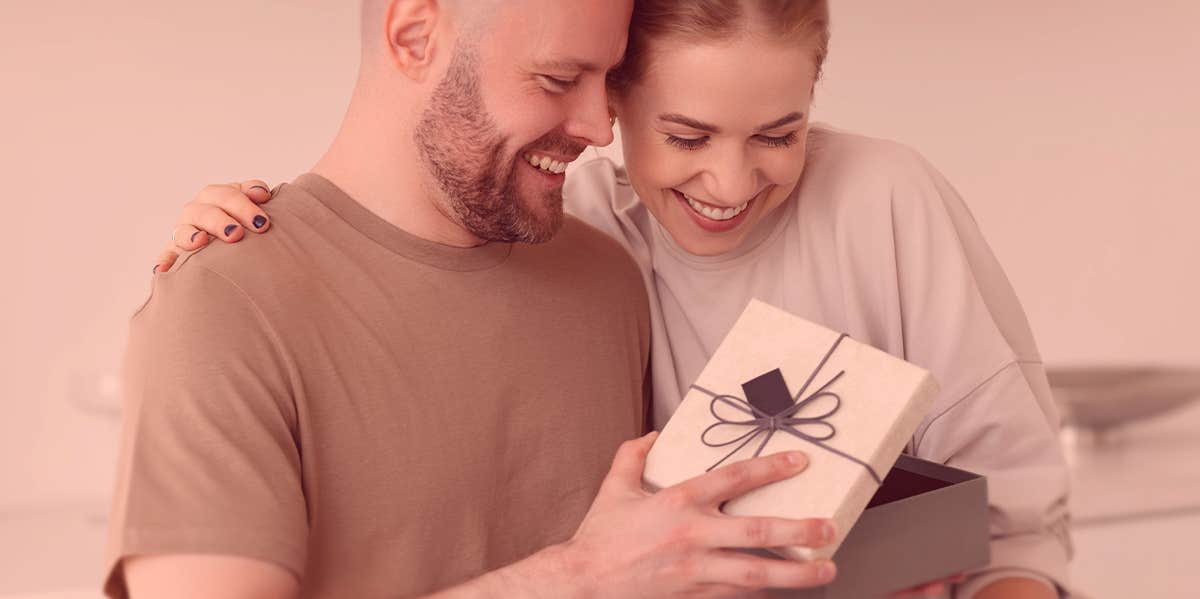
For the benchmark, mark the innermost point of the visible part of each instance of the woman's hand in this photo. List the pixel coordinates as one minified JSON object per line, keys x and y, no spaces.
{"x":222,"y":211}
{"x":936,"y":588}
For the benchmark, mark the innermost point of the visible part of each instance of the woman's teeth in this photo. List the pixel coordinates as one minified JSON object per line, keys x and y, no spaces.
{"x":713,"y":212}
{"x":546,"y":163}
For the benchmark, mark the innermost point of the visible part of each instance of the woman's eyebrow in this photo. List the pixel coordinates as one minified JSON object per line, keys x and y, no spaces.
{"x":781,"y":121}
{"x":687,"y":121}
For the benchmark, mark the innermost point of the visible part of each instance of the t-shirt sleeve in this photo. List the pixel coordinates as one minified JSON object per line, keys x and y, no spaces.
{"x":995,"y":415}
{"x":209,"y":459}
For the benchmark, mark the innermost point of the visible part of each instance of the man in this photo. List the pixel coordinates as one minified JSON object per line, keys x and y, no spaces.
{"x":415,"y":384}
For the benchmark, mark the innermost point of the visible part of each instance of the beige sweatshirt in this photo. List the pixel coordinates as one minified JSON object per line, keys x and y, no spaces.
{"x":874,"y":243}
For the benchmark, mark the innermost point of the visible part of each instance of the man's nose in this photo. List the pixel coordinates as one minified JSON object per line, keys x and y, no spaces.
{"x":588,"y":119}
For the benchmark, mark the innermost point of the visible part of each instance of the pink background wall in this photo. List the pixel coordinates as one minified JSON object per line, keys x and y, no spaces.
{"x":1069,"y":126}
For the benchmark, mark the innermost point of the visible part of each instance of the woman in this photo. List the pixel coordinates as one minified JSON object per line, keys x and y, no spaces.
{"x":729,"y":194}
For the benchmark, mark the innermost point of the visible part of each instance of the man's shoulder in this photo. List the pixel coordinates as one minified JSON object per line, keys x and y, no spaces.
{"x":237,"y":286}
{"x":283,"y":255}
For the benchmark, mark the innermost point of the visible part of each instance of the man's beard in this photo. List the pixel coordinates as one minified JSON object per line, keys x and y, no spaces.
{"x":465,"y":153}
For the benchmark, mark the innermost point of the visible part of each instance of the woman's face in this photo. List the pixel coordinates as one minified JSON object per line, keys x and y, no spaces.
{"x":714,"y":135}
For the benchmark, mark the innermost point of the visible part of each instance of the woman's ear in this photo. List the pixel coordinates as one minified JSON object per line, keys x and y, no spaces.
{"x":411,"y":27}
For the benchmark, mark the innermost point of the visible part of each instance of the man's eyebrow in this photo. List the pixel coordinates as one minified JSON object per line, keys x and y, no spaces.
{"x":781,"y":121}
{"x":582,"y":66}
{"x":688,"y":121}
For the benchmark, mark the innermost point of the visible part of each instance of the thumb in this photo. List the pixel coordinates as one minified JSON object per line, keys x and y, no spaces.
{"x":629,"y":463}
{"x":257,"y":190}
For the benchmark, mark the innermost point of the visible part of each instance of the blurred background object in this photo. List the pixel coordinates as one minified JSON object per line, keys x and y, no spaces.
{"x":1070,"y":130}
{"x":1132,"y":438}
{"x":1101,"y":399}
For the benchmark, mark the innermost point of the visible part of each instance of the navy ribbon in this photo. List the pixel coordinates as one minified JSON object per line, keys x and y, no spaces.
{"x":763,"y":422}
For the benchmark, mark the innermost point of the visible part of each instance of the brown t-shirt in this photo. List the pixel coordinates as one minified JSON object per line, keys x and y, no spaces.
{"x":380,"y":414}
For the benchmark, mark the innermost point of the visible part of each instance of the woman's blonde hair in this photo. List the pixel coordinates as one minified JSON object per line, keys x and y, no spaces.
{"x":719,"y":20}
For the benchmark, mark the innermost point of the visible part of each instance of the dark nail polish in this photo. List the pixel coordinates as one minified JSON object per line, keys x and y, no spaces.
{"x":194,"y":235}
{"x":230,"y":229}
{"x":259,"y":221}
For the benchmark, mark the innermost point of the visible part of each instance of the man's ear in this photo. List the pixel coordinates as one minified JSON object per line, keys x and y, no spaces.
{"x":411,"y":29}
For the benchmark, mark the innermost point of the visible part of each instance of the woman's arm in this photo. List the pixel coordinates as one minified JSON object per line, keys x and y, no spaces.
{"x":1017,"y":588}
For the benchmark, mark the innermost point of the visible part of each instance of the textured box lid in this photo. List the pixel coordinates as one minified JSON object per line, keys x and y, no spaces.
{"x":870,"y":410}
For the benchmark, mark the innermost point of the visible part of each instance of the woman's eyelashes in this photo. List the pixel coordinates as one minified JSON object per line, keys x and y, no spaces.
{"x":781,"y":141}
{"x":687,"y":143}
{"x":695,"y":143}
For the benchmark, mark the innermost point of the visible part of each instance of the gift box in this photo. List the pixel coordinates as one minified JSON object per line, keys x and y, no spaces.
{"x":926,"y":522}
{"x":777,"y":383}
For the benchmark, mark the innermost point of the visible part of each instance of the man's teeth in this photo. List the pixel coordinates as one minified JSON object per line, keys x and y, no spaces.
{"x":715,"y":213}
{"x":546,"y":163}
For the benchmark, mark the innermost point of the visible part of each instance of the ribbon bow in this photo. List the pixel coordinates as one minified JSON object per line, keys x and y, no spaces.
{"x":772,"y":409}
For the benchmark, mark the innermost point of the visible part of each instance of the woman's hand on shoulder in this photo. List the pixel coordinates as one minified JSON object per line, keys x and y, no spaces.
{"x":223,"y":211}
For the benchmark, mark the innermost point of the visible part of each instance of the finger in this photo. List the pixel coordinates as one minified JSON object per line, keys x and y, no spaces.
{"x":762,"y":532}
{"x":231,"y":200}
{"x":936,"y":589}
{"x":165,"y":260}
{"x":257,"y":190}
{"x":214,"y":221}
{"x":739,"y":478}
{"x":188,"y":238}
{"x":629,"y":463}
{"x":933,"y":589}
{"x":752,"y":572}
{"x":722,"y":591}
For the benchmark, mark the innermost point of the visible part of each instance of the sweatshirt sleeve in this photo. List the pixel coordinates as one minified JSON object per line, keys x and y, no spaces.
{"x":995,"y":416}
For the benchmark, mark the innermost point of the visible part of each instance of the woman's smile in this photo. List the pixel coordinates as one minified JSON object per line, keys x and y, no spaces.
{"x":711,"y":217}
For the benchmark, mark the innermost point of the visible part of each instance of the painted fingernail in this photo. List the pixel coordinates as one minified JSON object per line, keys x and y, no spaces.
{"x":194,"y":236}
{"x":230,"y":229}
{"x":827,"y":531}
{"x":797,"y":458}
{"x":259,"y":221}
{"x":261,"y":187}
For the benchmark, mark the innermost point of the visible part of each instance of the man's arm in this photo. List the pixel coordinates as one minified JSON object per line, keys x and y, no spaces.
{"x":209,"y":464}
{"x":673,"y":543}
{"x":631,"y":544}
{"x":193,"y":576}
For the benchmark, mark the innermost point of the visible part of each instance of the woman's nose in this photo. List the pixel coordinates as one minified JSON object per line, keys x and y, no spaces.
{"x":734,"y":181}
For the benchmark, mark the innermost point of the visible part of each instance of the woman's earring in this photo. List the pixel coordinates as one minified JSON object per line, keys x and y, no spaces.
{"x":612,"y":120}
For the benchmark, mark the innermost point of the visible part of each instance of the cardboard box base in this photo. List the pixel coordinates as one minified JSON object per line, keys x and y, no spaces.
{"x":926,"y":522}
